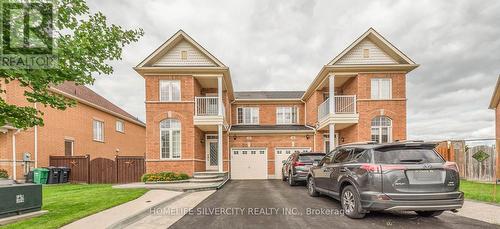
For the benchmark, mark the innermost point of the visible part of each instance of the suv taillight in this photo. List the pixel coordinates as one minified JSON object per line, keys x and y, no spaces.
{"x":298,"y":164}
{"x":371,"y":168}
{"x":449,"y":165}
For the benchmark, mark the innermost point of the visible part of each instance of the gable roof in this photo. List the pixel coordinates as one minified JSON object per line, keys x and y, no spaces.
{"x":171,"y":43}
{"x":495,"y":98}
{"x":268,"y":95}
{"x":379,"y":41}
{"x":85,"y":95}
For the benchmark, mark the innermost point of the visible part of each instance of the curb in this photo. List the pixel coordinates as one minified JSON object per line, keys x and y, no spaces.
{"x":138,"y":216}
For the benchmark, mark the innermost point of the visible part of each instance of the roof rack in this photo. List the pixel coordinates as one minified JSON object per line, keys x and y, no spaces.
{"x":408,"y":141}
{"x":360,"y":143}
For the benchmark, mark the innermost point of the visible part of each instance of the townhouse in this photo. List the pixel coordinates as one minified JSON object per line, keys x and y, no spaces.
{"x":494,"y":104}
{"x":196,"y":121}
{"x":94,"y":126}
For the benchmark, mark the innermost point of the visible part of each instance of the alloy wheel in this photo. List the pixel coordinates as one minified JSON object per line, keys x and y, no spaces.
{"x":348,"y":201}
{"x":310,"y":185}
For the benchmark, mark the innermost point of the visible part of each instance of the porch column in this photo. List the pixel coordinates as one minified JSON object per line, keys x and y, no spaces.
{"x":219,"y":148}
{"x":219,"y":94}
{"x":331,"y":93}
{"x":331,"y":137}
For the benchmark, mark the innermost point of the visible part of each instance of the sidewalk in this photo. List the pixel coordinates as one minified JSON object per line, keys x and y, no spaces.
{"x":116,"y":214}
{"x":485,"y":212}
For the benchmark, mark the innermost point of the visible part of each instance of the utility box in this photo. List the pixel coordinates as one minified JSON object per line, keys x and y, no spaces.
{"x":18,"y":199}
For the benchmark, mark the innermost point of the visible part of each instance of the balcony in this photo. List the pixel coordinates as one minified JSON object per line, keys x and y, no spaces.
{"x":206,"y":113}
{"x":344,"y":112}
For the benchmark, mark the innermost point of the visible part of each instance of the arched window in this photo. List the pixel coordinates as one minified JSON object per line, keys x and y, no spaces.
{"x":170,"y":139}
{"x":381,"y":129}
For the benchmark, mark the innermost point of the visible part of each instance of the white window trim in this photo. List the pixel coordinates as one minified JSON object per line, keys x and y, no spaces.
{"x":123,"y":126}
{"x":170,"y":143}
{"x":102,"y":129}
{"x":379,"y":128}
{"x":380,"y":88}
{"x":169,"y":91}
{"x":292,"y":108}
{"x":243,"y":119}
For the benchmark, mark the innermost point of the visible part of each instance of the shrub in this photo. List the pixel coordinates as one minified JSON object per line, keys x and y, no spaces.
{"x":3,"y":173}
{"x":164,"y":176}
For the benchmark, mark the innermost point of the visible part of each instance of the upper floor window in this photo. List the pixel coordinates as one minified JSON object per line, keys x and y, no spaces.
{"x":170,"y":90}
{"x":170,"y":139}
{"x":286,"y":115}
{"x":120,"y":126}
{"x":98,"y":130}
{"x":381,"y":129}
{"x":381,"y":88}
{"x":248,"y":115}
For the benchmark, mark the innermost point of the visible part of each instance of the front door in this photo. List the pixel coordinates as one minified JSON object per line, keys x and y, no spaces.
{"x":211,"y":150}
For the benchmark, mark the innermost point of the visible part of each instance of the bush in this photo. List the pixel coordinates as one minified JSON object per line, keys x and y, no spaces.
{"x":3,"y":173}
{"x":164,"y":176}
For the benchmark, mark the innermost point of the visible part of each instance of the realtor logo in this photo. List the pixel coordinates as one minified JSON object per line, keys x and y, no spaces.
{"x":19,"y":199}
{"x":27,"y":35}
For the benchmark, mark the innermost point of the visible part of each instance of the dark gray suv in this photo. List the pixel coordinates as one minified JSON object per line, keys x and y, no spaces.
{"x":397,"y":176}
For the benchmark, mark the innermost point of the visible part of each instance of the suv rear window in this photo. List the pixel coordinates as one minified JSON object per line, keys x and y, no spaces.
{"x":406,"y":156}
{"x":310,"y":158}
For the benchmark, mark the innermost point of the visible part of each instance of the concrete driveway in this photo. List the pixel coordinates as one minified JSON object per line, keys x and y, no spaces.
{"x":274,"y":204}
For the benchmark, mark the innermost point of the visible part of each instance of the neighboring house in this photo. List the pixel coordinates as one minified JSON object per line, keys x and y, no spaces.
{"x":197,"y":122}
{"x":494,"y":104}
{"x":94,"y":126}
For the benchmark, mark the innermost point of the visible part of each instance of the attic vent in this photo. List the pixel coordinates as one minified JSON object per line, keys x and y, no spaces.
{"x":366,"y":53}
{"x":184,"y":55}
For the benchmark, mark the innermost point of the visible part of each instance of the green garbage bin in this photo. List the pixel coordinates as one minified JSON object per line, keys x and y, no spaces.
{"x":40,"y":175}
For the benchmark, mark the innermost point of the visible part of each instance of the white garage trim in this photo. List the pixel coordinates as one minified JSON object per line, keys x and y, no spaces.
{"x":236,"y":174}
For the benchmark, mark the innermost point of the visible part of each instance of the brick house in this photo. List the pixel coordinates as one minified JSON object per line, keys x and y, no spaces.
{"x":197,"y":122}
{"x":94,"y":126}
{"x":494,"y":104}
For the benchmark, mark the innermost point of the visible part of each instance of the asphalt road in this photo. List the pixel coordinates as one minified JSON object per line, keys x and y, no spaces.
{"x":274,"y":204}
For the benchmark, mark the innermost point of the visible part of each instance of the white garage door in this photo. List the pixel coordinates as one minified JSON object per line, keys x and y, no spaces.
{"x":282,"y":154}
{"x":248,"y":163}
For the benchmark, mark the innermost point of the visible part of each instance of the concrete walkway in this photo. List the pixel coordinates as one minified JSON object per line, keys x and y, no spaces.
{"x":180,"y":187}
{"x":165,"y":216}
{"x":121,"y":212}
{"x":485,"y":212}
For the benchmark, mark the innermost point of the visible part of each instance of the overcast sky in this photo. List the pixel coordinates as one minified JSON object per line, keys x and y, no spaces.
{"x":282,"y":45}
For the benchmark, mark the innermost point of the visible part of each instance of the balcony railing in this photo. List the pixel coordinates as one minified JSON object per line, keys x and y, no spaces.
{"x":344,"y":104}
{"x":207,"y":106}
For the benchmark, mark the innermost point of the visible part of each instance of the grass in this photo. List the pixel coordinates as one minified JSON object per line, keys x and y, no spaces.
{"x":479,"y":191}
{"x":69,"y":202}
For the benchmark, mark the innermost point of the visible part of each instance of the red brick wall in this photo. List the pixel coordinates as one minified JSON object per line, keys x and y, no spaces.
{"x":74,"y":123}
{"x":267,"y":111}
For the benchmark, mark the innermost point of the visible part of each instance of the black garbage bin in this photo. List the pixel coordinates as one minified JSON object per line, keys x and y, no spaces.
{"x":63,"y":174}
{"x":29,"y":177}
{"x":53,"y":175}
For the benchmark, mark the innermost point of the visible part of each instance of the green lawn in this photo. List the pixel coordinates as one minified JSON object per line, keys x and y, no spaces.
{"x":68,"y":202}
{"x":479,"y":191}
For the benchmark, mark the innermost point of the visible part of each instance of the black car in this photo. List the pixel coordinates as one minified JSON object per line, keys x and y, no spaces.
{"x":296,"y":167}
{"x":397,"y":176}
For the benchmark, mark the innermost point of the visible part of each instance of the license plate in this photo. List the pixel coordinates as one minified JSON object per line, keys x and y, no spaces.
{"x":425,"y":176}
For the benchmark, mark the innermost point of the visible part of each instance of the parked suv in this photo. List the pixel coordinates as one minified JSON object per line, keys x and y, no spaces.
{"x":296,"y":167}
{"x":396,"y":176}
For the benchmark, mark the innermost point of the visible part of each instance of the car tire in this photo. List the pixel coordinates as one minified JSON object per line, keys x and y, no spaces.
{"x":283,"y":177}
{"x":351,"y":203}
{"x":291,"y":181}
{"x":311,"y":188}
{"x":429,"y":213}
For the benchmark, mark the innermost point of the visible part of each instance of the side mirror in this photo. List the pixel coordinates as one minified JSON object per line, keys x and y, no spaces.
{"x":283,"y":162}
{"x":315,"y":163}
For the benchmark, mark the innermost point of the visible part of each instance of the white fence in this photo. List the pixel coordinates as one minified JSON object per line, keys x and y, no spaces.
{"x":344,"y":104}
{"x":206,"y":106}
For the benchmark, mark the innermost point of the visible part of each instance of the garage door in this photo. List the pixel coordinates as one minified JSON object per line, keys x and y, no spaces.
{"x":283,"y":154}
{"x":248,"y":163}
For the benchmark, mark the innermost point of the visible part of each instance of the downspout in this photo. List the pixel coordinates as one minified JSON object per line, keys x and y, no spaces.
{"x":36,"y":143}
{"x":14,"y":169}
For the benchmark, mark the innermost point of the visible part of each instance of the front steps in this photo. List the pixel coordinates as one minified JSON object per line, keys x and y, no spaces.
{"x":208,"y":177}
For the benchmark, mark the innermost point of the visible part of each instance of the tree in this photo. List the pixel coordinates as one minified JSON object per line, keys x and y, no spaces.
{"x":83,"y":43}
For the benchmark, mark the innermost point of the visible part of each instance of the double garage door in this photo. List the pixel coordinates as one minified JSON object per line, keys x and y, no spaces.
{"x":251,"y":163}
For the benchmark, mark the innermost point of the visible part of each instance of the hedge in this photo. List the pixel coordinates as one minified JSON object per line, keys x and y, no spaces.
{"x":3,"y":173}
{"x":164,"y":176}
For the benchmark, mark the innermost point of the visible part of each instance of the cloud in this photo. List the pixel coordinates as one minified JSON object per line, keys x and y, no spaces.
{"x":281,"y":45}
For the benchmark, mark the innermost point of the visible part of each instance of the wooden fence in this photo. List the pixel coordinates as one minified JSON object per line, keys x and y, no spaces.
{"x":124,"y":169}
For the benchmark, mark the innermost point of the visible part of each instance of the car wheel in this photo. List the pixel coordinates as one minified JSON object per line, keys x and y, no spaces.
{"x":291,"y":181}
{"x":283,"y":177}
{"x":429,"y":213}
{"x":350,"y":203}
{"x":311,"y":189}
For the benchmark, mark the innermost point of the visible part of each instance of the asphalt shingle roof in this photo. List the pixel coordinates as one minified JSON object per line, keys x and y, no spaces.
{"x":268,"y":94}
